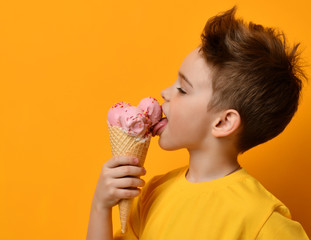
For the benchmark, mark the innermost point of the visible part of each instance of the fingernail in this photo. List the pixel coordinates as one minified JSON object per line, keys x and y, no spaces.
{"x":136,"y":160}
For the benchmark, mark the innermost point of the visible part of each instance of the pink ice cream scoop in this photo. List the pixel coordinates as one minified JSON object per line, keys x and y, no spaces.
{"x":136,"y":121}
{"x":115,"y":113}
{"x":152,"y":108}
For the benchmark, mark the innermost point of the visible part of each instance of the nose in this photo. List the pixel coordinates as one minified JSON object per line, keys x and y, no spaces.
{"x":164,"y":95}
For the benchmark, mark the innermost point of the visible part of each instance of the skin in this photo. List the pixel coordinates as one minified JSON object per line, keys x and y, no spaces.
{"x":208,"y":136}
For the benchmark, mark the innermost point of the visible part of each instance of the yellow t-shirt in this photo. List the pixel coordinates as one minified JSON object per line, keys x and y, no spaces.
{"x":234,"y":207}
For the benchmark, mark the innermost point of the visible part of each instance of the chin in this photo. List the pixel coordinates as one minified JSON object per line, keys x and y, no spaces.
{"x":167,"y":145}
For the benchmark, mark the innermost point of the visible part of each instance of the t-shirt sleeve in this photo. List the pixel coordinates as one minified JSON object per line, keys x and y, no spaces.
{"x":281,"y":227}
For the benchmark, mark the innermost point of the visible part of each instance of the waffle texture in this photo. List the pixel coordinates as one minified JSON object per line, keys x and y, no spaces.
{"x":123,"y":144}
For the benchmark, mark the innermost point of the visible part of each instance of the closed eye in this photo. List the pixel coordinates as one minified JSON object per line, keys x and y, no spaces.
{"x":181,"y":90}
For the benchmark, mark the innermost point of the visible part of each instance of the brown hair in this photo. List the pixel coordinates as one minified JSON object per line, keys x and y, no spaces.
{"x":255,"y":73}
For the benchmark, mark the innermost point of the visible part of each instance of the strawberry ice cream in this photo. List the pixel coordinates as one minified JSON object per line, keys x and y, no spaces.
{"x":151,"y":107}
{"x":136,"y":121}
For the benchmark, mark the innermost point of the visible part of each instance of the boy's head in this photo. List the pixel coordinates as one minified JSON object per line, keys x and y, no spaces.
{"x":255,"y":73}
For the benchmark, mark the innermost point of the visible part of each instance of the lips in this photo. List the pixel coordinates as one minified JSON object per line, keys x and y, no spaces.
{"x":157,"y":129}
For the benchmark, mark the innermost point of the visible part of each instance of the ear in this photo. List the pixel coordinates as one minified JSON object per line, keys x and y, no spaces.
{"x":226,"y":123}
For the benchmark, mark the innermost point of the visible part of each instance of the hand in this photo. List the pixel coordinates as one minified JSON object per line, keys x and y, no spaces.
{"x":119,"y":179}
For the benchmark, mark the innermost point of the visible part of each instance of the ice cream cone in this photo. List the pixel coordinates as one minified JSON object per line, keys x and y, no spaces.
{"x":123,"y":144}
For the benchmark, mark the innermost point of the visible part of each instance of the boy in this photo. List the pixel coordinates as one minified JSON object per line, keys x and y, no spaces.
{"x":238,"y":89}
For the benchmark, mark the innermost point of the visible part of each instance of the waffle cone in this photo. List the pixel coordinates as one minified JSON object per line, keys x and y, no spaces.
{"x":123,"y":144}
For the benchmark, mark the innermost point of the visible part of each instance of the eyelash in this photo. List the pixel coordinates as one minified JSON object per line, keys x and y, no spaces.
{"x":181,"y":90}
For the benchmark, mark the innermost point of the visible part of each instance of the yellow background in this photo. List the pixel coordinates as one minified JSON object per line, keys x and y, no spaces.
{"x":64,"y":63}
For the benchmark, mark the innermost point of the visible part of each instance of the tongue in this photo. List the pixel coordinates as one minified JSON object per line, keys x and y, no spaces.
{"x":159,"y":125}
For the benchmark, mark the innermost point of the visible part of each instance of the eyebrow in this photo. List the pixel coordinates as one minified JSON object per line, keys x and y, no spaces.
{"x":185,"y":78}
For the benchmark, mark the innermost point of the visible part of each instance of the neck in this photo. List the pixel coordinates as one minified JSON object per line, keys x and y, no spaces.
{"x":210,"y":165}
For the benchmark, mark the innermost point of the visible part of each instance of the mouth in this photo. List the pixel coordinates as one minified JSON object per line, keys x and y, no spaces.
{"x":159,"y":127}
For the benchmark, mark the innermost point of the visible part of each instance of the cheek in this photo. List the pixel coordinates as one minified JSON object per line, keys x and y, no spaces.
{"x":180,"y":123}
{"x":179,"y":116}
{"x":187,"y":126}
{"x":172,"y":138}
{"x":186,"y":116}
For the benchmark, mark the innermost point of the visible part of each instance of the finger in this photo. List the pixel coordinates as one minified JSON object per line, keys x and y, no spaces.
{"x":127,"y":193}
{"x":124,"y":171}
{"x":129,"y":182}
{"x":121,"y":160}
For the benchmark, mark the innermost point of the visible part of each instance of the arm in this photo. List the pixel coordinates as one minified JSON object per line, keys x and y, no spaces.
{"x":100,"y":224}
{"x":117,"y":176}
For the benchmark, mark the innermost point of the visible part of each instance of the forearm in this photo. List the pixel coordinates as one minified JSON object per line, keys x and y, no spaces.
{"x":100,"y":224}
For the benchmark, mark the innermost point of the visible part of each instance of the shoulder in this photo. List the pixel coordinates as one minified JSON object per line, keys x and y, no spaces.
{"x":253,"y":206}
{"x":278,"y":226}
{"x":252,"y":191}
{"x":251,"y":200}
{"x":277,"y":222}
{"x":171,"y":175}
{"x":163,"y":180}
